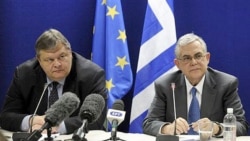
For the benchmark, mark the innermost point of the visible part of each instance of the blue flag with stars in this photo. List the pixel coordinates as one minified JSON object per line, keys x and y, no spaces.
{"x":110,"y":49}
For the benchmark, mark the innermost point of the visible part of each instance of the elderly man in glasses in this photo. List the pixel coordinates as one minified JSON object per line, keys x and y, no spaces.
{"x":201,"y":94}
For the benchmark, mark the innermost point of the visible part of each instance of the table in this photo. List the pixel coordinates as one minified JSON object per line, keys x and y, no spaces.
{"x":99,"y":135}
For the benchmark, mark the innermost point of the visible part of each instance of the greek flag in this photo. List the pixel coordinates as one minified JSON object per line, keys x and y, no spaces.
{"x":110,"y":49}
{"x":156,"y":57}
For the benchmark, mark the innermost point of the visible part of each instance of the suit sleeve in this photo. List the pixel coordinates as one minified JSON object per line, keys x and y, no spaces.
{"x":156,"y":116}
{"x":13,"y":110}
{"x":232,"y":99}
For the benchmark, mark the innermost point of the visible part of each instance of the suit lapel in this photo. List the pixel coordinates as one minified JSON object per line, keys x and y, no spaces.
{"x":39,"y":86}
{"x":208,"y":95}
{"x":181,"y":97}
{"x":70,"y":81}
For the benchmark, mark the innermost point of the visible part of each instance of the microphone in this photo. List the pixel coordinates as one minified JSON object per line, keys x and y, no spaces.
{"x":38,"y":104}
{"x":116,"y":116}
{"x":18,"y":136}
{"x":170,"y":137}
{"x":60,"y":110}
{"x":90,"y":111}
{"x":173,"y":90}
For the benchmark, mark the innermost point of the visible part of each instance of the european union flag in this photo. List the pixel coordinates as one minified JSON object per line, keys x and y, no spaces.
{"x":110,"y":49}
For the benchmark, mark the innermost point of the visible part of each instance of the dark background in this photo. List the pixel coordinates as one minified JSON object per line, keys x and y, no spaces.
{"x":223,"y":24}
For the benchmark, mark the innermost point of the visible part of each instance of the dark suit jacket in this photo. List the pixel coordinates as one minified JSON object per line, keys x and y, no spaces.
{"x":27,"y":85}
{"x":219,"y":93}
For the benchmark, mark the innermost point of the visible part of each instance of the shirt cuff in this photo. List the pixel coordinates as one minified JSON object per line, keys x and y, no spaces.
{"x":162,"y":126}
{"x":25,"y":123}
{"x":62,"y":128}
{"x":220,"y":132}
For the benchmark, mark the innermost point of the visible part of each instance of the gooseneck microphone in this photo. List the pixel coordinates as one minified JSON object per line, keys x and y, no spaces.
{"x":90,"y":111}
{"x":170,"y":137}
{"x":60,"y":110}
{"x":38,"y":104}
{"x":173,"y":92}
{"x":18,"y":136}
{"x":116,"y":116}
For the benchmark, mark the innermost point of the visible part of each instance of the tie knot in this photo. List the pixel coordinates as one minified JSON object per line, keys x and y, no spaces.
{"x":54,"y":84}
{"x":193,"y":91}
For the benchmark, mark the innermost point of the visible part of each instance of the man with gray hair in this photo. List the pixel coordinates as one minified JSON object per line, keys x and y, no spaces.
{"x":214,"y":91}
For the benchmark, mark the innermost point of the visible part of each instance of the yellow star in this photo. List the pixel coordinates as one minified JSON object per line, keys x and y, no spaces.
{"x":104,"y":2}
{"x":109,"y":84}
{"x":112,"y":12}
{"x":122,"y":35}
{"x":121,"y":62}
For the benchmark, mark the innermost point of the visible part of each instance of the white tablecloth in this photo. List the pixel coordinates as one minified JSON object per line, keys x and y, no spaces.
{"x":98,"y":135}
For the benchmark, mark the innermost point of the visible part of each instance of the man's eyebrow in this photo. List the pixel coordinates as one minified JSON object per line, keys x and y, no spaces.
{"x":190,"y":55}
{"x":186,"y":56}
{"x":198,"y":53}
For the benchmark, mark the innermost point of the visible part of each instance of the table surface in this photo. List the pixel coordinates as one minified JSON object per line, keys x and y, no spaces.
{"x":99,"y":135}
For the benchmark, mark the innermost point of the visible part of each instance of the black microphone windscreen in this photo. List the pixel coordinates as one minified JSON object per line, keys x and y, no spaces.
{"x":62,"y":108}
{"x":118,"y":105}
{"x":92,"y":107}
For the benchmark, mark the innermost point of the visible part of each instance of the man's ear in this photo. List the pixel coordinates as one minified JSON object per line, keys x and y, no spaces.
{"x":38,"y":58}
{"x":177,"y":63}
{"x":208,"y":56}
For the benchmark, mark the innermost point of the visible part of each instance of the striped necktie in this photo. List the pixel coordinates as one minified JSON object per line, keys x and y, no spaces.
{"x":194,"y":111}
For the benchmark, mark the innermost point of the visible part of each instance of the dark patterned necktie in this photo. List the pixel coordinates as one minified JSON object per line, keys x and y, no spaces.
{"x":194,"y":111}
{"x":53,"y":94}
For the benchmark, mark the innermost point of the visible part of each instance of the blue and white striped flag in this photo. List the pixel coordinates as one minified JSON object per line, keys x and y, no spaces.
{"x":110,"y":50}
{"x":156,"y":57}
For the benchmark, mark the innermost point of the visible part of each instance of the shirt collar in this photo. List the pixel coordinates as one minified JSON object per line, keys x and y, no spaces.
{"x":61,"y":82}
{"x":198,"y":87}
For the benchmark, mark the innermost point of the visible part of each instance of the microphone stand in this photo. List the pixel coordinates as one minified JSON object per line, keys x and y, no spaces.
{"x":34,"y":136}
{"x":113,"y":133}
{"x":170,"y":137}
{"x":49,"y":138}
{"x":37,"y":134}
{"x":79,"y":134}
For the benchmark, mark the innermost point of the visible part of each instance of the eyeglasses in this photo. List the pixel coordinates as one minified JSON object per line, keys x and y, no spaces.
{"x":188,"y":59}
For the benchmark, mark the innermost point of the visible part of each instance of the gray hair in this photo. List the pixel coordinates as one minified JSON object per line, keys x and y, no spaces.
{"x":49,"y":39}
{"x":187,"y":39}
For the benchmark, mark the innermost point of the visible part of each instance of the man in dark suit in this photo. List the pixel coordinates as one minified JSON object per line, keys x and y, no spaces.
{"x":216,"y":91}
{"x":54,"y":62}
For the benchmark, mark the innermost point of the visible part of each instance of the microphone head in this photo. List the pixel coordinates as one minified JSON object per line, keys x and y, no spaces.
{"x":118,"y":105}
{"x":92,"y":107}
{"x":116,"y":113}
{"x":62,"y":108}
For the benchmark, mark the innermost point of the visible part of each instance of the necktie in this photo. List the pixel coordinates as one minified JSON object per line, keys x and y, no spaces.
{"x":194,"y":111}
{"x":53,"y":94}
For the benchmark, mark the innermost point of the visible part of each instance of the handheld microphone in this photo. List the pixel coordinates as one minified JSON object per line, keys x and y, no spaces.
{"x":60,"y":110}
{"x":170,"y":137}
{"x":90,"y":111}
{"x":116,"y":116}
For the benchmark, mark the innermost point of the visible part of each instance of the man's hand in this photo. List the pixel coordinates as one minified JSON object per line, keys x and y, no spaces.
{"x":181,"y":127}
{"x":215,"y":126}
{"x":38,"y":122}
